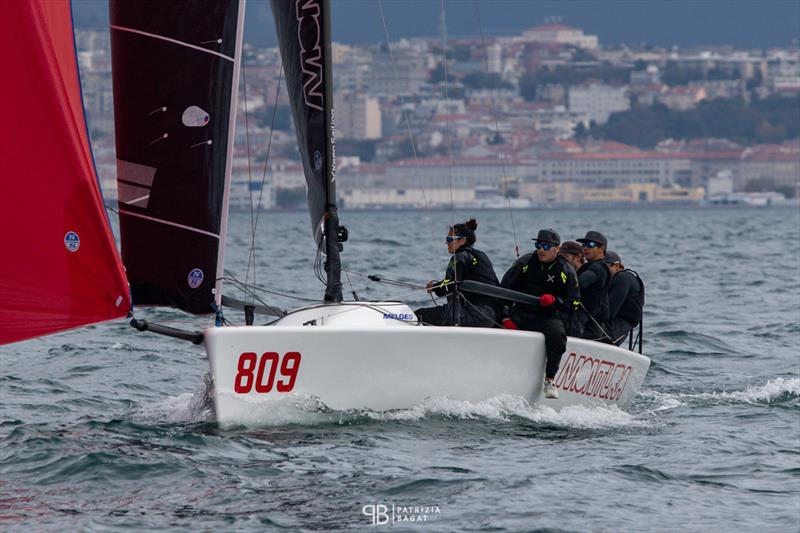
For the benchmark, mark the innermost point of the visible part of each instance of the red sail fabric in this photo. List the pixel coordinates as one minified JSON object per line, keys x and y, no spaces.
{"x":59,"y":266}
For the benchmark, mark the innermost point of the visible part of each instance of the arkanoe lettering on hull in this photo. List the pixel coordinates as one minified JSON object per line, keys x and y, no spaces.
{"x":596,"y":378}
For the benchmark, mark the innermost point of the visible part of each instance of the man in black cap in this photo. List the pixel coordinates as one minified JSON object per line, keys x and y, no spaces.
{"x":553,"y":280}
{"x":573,"y":253}
{"x":625,"y":299}
{"x":594,"y":279}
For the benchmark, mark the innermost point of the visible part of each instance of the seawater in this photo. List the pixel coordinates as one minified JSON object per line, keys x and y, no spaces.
{"x":105,"y":428}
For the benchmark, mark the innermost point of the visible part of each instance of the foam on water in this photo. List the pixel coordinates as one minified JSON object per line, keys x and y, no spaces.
{"x":306,"y":409}
{"x":309,"y":410}
{"x":777,"y":389}
{"x":507,"y":408}
{"x":184,"y":408}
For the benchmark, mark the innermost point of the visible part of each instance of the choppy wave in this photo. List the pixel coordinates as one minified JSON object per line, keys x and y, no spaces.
{"x":309,"y":410}
{"x":305,"y":409}
{"x":508,"y":408}
{"x":774,"y":391}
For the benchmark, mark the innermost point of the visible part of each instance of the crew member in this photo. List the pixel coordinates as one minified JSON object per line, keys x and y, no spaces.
{"x":466,"y":263}
{"x":553,"y":280}
{"x":625,"y":299}
{"x":594,"y":279}
{"x":573,"y":253}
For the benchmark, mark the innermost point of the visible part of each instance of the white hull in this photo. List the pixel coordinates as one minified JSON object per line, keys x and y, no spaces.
{"x":375,"y":356}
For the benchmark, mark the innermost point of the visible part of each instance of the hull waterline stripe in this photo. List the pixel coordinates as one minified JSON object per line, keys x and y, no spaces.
{"x":170,"y":40}
{"x":167,"y":222}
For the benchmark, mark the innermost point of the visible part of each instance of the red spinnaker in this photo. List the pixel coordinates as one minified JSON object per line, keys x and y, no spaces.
{"x":59,"y":266}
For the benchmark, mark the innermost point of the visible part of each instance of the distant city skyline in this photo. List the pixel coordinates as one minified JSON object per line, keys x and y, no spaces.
{"x":683,"y":23}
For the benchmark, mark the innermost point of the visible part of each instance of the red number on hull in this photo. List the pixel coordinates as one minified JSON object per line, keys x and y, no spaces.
{"x":289,"y":370}
{"x":272,"y":357}
{"x":245,"y":378}
{"x":247,"y":362}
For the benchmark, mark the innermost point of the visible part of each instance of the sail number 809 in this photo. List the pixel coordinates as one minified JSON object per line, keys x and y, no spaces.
{"x":260,"y":372}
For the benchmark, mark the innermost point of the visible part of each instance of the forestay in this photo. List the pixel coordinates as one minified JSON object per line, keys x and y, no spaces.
{"x":175,"y":69}
{"x":60,"y":267}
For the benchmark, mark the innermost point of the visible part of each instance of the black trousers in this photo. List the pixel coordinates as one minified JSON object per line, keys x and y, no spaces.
{"x":555,"y":339}
{"x":475,"y":316}
{"x":618,"y":329}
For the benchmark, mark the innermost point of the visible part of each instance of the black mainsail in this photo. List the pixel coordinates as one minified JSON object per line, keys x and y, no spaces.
{"x":175,"y":72}
{"x":304,"y":37}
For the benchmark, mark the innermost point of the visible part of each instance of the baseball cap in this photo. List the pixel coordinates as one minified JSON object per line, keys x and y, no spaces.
{"x":571,"y":247}
{"x":595,"y":236}
{"x":612,"y":257}
{"x":548,"y":235}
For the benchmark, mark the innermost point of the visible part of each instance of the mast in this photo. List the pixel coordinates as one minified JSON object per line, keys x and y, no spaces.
{"x":223,"y":231}
{"x":304,"y":37}
{"x":333,"y":264}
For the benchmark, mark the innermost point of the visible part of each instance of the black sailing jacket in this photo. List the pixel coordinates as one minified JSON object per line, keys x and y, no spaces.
{"x":558,"y":278}
{"x":626,"y":297}
{"x":468,"y":264}
{"x":594,"y":279}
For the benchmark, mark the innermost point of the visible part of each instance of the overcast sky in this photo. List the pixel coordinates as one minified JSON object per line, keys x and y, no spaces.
{"x":743,"y":23}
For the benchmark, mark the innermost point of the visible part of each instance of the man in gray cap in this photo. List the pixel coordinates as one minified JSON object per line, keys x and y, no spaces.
{"x":594,"y":279}
{"x":573,"y":253}
{"x":625,"y":299}
{"x":553,"y":280}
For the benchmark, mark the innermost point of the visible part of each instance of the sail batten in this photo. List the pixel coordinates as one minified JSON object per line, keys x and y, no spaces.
{"x":171,"y":40}
{"x":175,"y":69}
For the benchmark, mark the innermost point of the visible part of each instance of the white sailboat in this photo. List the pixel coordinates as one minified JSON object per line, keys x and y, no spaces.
{"x":175,"y":78}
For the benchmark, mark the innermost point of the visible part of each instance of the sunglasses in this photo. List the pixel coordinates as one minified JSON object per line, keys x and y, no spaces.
{"x":544,"y":246}
{"x":451,"y":238}
{"x":591,"y":244}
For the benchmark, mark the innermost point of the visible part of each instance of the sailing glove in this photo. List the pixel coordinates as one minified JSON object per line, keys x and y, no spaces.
{"x":546,"y":300}
{"x":509,"y":324}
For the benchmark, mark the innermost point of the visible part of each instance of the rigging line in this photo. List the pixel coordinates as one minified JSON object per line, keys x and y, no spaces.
{"x":449,"y":136}
{"x":269,"y":146}
{"x":254,"y":217}
{"x":257,"y":298}
{"x":268,"y":291}
{"x":447,"y":112}
{"x":251,"y":254}
{"x":500,"y":153}
{"x":478,"y":310}
{"x":352,"y":289}
{"x":408,"y":125}
{"x":387,"y":281}
{"x":596,"y":323}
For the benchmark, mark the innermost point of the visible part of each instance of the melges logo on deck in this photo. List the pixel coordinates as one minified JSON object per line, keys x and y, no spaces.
{"x":593,"y":377}
{"x":399,"y":316}
{"x":259,"y":372}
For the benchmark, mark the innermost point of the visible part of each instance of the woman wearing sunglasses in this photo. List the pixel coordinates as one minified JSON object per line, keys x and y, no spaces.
{"x":466,"y":263}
